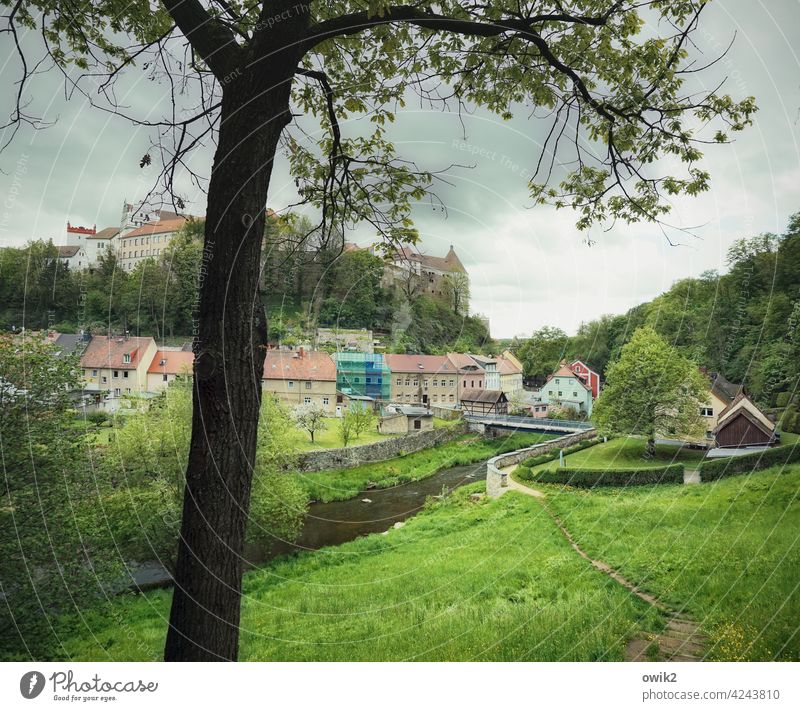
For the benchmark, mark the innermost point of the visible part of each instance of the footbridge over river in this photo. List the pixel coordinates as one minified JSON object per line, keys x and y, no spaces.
{"x":528,"y":424}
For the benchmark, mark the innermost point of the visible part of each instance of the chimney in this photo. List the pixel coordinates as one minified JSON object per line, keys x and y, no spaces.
{"x":302,"y":352}
{"x":127,"y":335}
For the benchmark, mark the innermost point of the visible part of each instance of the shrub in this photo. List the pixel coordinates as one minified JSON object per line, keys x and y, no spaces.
{"x":588,"y":478}
{"x":97,"y":418}
{"x":712,"y":469}
{"x":782,"y":399}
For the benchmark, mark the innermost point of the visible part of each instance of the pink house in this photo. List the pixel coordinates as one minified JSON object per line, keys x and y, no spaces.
{"x":589,"y":377}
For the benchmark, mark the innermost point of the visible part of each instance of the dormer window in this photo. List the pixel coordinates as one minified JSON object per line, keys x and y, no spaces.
{"x":163,"y":361}
{"x":126,"y":357}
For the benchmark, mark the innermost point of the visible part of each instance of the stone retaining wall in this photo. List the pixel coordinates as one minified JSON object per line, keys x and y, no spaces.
{"x":390,"y":448}
{"x":497,"y":481}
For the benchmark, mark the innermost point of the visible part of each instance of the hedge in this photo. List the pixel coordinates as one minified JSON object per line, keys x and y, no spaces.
{"x":670,"y":474}
{"x":712,"y":469}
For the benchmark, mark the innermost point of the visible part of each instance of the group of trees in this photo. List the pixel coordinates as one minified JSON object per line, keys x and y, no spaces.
{"x":744,"y":323}
{"x":156,"y":297}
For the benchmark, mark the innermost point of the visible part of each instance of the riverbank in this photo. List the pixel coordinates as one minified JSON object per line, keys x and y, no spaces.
{"x":340,"y":484}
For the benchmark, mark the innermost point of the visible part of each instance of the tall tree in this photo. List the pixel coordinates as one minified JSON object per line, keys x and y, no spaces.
{"x":651,"y":389}
{"x":260,"y":71}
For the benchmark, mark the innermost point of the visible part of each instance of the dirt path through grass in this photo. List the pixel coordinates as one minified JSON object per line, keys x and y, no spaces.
{"x":681,"y":640}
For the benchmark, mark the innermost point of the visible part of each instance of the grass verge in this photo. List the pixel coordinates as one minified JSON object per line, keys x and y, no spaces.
{"x":336,"y":485}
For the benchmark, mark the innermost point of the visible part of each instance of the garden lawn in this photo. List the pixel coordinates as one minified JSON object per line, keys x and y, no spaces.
{"x":627,"y":453}
{"x":329,"y":437}
{"x":340,"y":484}
{"x":492,"y":580}
{"x":727,"y":551}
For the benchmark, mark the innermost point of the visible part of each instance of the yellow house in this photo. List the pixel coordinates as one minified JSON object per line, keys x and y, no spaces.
{"x":301,"y":377}
{"x":425,"y":380}
{"x":166,"y":366}
{"x":116,"y":366}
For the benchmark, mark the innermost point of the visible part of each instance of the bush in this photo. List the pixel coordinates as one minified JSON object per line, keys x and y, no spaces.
{"x":712,"y":469}
{"x":782,"y":399}
{"x":97,"y":418}
{"x":588,"y":478}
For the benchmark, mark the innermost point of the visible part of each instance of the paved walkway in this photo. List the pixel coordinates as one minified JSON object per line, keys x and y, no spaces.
{"x":681,"y":640}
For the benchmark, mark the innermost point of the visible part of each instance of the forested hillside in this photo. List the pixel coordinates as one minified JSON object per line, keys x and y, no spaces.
{"x":305,"y":285}
{"x":743,"y":323}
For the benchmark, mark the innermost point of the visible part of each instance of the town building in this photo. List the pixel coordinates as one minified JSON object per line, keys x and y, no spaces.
{"x":484,"y":402}
{"x":491,"y":375}
{"x":590,"y":377}
{"x":426,"y":380}
{"x":471,"y":375}
{"x":114,"y":367}
{"x":743,"y":424}
{"x":565,"y":389}
{"x":423,"y":273}
{"x":721,"y":393}
{"x":403,"y":419}
{"x":147,"y":241}
{"x":167,"y":365}
{"x":510,"y":370}
{"x":73,"y":256}
{"x":301,"y":377}
{"x":363,"y":374}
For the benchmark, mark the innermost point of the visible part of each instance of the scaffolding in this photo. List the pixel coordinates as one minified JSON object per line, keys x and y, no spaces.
{"x":364,"y":374}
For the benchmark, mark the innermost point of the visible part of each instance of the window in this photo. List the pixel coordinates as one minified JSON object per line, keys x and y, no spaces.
{"x":165,"y":378}
{"x":356,"y":380}
{"x":452,"y":383}
{"x":452,"y":397}
{"x":126,"y":357}
{"x":94,"y":373}
{"x":307,"y":400}
{"x":436,"y":383}
{"x":559,"y":393}
{"x":127,"y":390}
{"x":105,"y":379}
{"x":124,"y":373}
{"x":308,"y":385}
{"x":549,"y":392}
{"x":472,"y":383}
{"x":707,"y":411}
{"x":369,"y":380}
{"x":408,"y":382}
{"x":117,"y":392}
{"x":290,"y":384}
{"x":416,"y":382}
{"x":116,"y":373}
{"x":575,"y":394}
{"x":709,"y":434}
{"x":326,"y":401}
{"x":399,"y":381}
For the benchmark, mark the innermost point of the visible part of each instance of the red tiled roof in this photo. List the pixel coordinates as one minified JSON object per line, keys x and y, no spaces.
{"x":67,"y":250}
{"x":159,"y":227}
{"x":506,"y":367}
{"x":565,"y":372}
{"x":290,"y":365}
{"x":399,"y":363}
{"x":462,"y":361}
{"x":175,"y":362}
{"x":106,"y":233}
{"x":104,"y":352}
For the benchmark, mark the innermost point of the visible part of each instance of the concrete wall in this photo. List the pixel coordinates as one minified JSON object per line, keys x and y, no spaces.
{"x":496,"y":481}
{"x":377,"y":451}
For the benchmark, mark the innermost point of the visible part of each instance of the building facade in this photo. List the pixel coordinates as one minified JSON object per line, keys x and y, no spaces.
{"x":589,"y":377}
{"x":564,"y":389}
{"x":147,"y":241}
{"x":364,"y":374}
{"x":114,"y":367}
{"x":301,"y":377}
{"x":425,"y":380}
{"x":167,"y":365}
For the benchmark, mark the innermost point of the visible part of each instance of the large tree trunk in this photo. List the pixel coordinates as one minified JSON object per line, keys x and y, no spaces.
{"x":230,"y":341}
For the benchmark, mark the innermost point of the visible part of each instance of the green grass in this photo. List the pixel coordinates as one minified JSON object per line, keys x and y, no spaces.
{"x":492,"y":580}
{"x":329,"y":437}
{"x":346,"y":483}
{"x":729,"y":551}
{"x":625,"y":453}
{"x":789,"y":438}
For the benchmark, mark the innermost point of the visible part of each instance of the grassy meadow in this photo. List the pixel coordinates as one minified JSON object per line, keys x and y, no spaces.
{"x":626,"y":453}
{"x":464,"y":580}
{"x":728,"y":552}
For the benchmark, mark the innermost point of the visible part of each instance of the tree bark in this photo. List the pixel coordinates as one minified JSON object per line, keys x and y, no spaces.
{"x":229,"y":346}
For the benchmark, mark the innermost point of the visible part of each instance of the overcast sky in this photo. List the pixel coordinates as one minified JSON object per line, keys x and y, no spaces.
{"x":529,"y":267}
